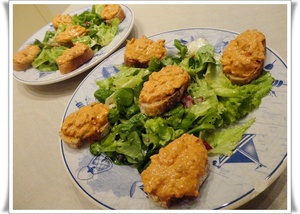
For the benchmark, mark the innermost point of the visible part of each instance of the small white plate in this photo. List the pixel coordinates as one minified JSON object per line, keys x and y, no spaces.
{"x":33,"y":76}
{"x":258,"y":160}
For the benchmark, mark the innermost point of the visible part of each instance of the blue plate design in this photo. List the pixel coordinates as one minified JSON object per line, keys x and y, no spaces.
{"x":258,"y":160}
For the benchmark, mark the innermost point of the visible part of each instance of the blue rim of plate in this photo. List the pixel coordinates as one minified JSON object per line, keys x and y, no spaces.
{"x":237,"y":202}
{"x":41,"y":78}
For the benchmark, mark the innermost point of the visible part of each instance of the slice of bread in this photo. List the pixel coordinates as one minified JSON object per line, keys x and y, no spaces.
{"x":65,"y":19}
{"x":161,"y":106}
{"x":73,"y":31}
{"x":112,"y":11}
{"x":86,"y":125}
{"x":243,"y":58}
{"x":74,"y":57}
{"x":139,"y":52}
{"x":177,"y":171}
{"x":22,"y":59}
{"x":163,"y":90}
{"x":75,"y":142}
{"x":242,"y":80}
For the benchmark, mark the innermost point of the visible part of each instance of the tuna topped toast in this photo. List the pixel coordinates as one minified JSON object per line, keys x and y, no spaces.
{"x":163,"y":90}
{"x":177,"y":171}
{"x":22,"y":59}
{"x":86,"y":125}
{"x":74,"y":57}
{"x":71,"y":32}
{"x":65,"y":19}
{"x":244,"y":57}
{"x":112,"y":11}
{"x":139,"y":52}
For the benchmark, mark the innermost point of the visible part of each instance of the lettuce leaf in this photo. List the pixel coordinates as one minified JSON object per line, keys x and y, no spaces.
{"x":159,"y":133}
{"x":124,"y":141}
{"x":126,"y":77}
{"x":237,"y":101}
{"x":46,"y":60}
{"x":211,"y":108}
{"x":224,"y":141}
{"x":197,"y":62}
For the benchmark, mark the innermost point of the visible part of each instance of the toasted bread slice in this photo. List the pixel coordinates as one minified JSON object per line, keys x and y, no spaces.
{"x":86,"y":125}
{"x":74,"y":57}
{"x":177,"y":171}
{"x":65,"y":19}
{"x":139,"y":52}
{"x":111,"y":11}
{"x":242,"y":80}
{"x":76,"y":143}
{"x":71,"y":32}
{"x":22,"y":59}
{"x":243,"y":58}
{"x":161,"y":106}
{"x":163,"y":90}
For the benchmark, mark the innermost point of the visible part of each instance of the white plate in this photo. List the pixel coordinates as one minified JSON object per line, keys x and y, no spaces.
{"x":258,"y":160}
{"x":33,"y":76}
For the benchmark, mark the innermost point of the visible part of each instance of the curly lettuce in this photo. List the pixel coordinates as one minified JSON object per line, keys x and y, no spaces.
{"x":211,"y":108}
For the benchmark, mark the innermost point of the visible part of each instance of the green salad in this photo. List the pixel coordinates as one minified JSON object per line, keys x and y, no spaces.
{"x":99,"y":34}
{"x":211,"y":109}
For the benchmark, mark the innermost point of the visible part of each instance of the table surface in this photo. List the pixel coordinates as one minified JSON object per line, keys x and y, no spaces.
{"x":40,"y":179}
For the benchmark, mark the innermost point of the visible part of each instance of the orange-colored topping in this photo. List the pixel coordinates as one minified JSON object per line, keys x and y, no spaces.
{"x":177,"y":169}
{"x":85,"y":122}
{"x":61,"y":19}
{"x":77,"y":50}
{"x":25,"y":56}
{"x":243,"y":55}
{"x":143,"y":49}
{"x":70,"y":33}
{"x":163,"y":83}
{"x":110,"y":11}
